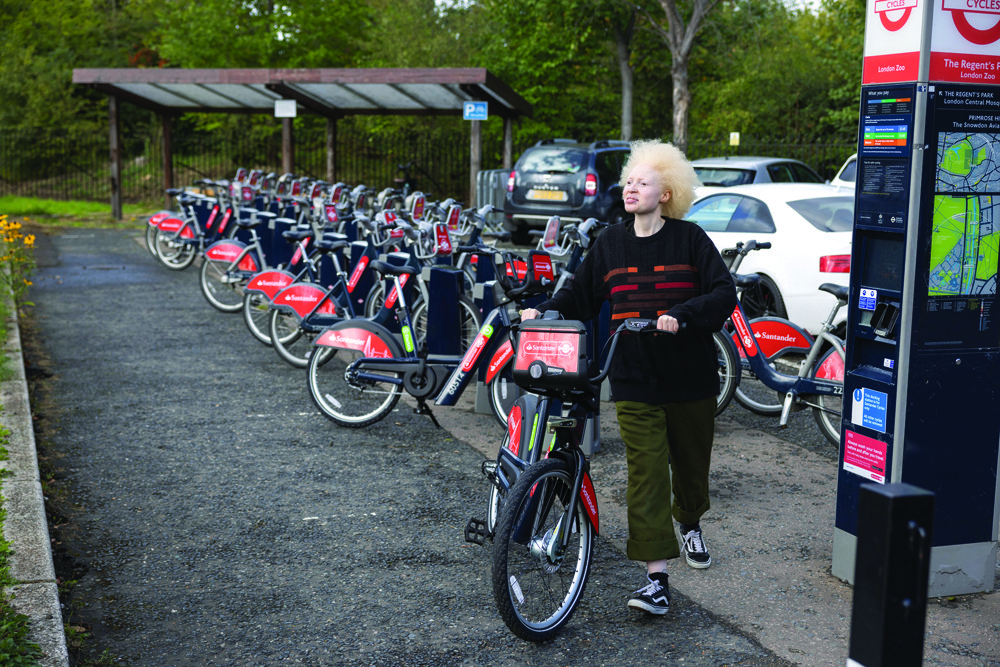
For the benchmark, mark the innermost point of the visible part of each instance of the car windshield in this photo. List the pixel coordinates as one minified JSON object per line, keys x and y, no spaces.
{"x":724,"y":176}
{"x":827,"y":214}
{"x":554,"y":160}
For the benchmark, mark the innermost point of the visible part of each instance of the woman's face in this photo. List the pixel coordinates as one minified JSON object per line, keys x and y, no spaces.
{"x":643,"y":192}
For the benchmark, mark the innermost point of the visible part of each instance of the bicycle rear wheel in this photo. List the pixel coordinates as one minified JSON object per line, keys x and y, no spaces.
{"x":222,"y":289}
{"x":342,"y":397}
{"x":503,"y":391}
{"x":729,"y":371}
{"x":537,"y":588}
{"x":830,"y":409}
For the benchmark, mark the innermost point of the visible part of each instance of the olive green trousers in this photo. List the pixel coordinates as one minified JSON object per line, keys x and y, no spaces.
{"x":664,"y":442}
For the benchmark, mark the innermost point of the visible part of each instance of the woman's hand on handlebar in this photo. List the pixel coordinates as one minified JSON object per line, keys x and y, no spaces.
{"x":667,"y":323}
{"x":530,"y":314}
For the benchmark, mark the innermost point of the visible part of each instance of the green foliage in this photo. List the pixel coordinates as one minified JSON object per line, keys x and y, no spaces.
{"x":260,"y":33}
{"x":20,"y":207}
{"x":17,"y":259}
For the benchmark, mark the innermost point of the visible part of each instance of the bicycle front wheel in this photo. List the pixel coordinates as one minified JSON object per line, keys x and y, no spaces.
{"x":292,"y":343}
{"x":222,"y":288}
{"x":257,"y":315}
{"x":729,"y":370}
{"x":829,"y":409}
{"x":344,"y":398}
{"x":536,"y":584}
{"x":173,"y":252}
{"x":756,"y":396}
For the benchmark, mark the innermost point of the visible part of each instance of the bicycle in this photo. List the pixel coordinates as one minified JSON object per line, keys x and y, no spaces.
{"x":766,"y":343}
{"x":542,"y":514}
{"x":358,"y":370}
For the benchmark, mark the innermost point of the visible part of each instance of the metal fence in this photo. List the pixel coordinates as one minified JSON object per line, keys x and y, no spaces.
{"x":53,"y":165}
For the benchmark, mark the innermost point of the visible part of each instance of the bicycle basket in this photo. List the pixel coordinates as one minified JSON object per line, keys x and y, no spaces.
{"x":552,"y":355}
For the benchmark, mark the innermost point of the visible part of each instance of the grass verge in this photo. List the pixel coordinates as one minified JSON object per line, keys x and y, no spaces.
{"x":74,"y":213}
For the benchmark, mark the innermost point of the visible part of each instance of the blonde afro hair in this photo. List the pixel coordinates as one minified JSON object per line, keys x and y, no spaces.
{"x":676,"y":173}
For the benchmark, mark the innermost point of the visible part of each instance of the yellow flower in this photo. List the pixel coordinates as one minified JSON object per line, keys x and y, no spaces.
{"x":28,"y":282}
{"x":29,"y":240}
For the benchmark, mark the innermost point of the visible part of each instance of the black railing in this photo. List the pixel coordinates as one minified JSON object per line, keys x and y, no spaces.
{"x":39,"y":163}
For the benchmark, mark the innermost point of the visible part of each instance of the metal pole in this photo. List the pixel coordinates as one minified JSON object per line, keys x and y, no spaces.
{"x":331,"y":150}
{"x":168,"y":158}
{"x":475,"y":158}
{"x":114,"y":141}
{"x":508,"y":143}
{"x":287,"y":151}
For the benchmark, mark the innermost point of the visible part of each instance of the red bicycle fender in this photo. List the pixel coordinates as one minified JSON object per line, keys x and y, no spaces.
{"x":500,"y":358}
{"x":169,"y":224}
{"x":270,"y":283}
{"x":831,"y":367}
{"x":302,"y":298}
{"x":589,"y":498}
{"x":225,"y":251}
{"x":154,"y":220}
{"x":775,"y":335}
{"x":355,"y":338}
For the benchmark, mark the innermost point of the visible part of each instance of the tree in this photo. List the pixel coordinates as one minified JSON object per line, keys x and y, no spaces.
{"x":679,"y":35}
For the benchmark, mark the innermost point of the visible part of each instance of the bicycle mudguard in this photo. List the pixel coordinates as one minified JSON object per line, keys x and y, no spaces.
{"x":503,"y":356}
{"x":776,"y":337}
{"x":300,"y":299}
{"x":831,"y":367}
{"x":154,"y":220}
{"x":589,"y":498}
{"x":269,"y":283}
{"x":173,"y":225}
{"x":369,"y":339}
{"x":227,"y":250}
{"x":525,"y":429}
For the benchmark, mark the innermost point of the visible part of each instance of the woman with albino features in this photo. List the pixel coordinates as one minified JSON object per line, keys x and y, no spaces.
{"x":661,"y":267}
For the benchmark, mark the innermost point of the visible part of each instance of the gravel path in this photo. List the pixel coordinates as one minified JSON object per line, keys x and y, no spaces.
{"x":206,"y":514}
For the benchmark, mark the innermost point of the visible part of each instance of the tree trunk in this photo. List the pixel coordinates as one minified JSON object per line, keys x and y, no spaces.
{"x":623,"y":40}
{"x":682,"y":103}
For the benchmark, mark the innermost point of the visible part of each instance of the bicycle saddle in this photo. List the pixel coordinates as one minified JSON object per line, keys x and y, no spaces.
{"x":386,"y":268}
{"x":839,"y":291}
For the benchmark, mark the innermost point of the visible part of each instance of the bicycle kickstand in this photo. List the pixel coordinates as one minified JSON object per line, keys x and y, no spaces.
{"x":424,"y":409}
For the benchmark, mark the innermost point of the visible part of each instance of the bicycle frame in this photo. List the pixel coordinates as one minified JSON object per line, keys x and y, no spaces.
{"x":793,"y":387}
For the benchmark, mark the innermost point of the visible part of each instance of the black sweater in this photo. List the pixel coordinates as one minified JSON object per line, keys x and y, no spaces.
{"x":677,"y":271}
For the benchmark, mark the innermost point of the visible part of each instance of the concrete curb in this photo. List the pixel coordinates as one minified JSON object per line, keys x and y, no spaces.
{"x":37,"y":596}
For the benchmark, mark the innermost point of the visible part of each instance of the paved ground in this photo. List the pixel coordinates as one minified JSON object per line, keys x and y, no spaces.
{"x":209,"y":516}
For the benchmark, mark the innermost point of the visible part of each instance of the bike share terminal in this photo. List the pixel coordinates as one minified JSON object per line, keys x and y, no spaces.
{"x":922,"y":380}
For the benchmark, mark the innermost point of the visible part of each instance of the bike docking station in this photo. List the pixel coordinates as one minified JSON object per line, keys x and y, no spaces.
{"x":922,"y":383}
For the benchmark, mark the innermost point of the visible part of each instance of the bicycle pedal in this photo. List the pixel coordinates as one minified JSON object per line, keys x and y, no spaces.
{"x":476,"y":533}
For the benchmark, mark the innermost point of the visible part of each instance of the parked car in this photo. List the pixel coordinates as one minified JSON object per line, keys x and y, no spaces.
{"x":847,"y":177}
{"x":809,"y":227}
{"x":562,"y":177}
{"x":744,"y":170}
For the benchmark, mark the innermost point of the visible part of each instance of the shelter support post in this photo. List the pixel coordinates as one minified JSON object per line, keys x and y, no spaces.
{"x":168,"y":158}
{"x":287,"y":149}
{"x":508,"y":142}
{"x":475,"y":158}
{"x":331,"y":150}
{"x":114,"y":141}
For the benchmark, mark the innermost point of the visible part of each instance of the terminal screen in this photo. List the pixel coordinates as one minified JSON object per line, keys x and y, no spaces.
{"x":884,"y":156}
{"x":883,"y":267}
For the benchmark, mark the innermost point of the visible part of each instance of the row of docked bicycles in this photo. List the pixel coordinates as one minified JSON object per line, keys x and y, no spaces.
{"x":376,"y":294}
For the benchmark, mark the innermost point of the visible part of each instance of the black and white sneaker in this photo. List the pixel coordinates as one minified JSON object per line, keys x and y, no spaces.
{"x":653,"y":598}
{"x":695,"y":552}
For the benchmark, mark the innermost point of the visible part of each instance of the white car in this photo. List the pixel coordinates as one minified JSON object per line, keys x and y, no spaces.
{"x":847,"y":177}
{"x":809,"y":227}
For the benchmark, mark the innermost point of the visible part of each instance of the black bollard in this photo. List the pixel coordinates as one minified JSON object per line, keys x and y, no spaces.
{"x":891,"y":570}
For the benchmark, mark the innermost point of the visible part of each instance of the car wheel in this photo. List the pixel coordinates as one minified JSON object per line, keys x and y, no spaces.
{"x":763,"y":299}
{"x":617,"y":215}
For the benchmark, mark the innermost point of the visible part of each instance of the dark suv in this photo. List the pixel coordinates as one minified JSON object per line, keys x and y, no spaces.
{"x":562,"y":177}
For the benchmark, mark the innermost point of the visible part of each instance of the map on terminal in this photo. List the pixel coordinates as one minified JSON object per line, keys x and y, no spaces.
{"x":965,"y":241}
